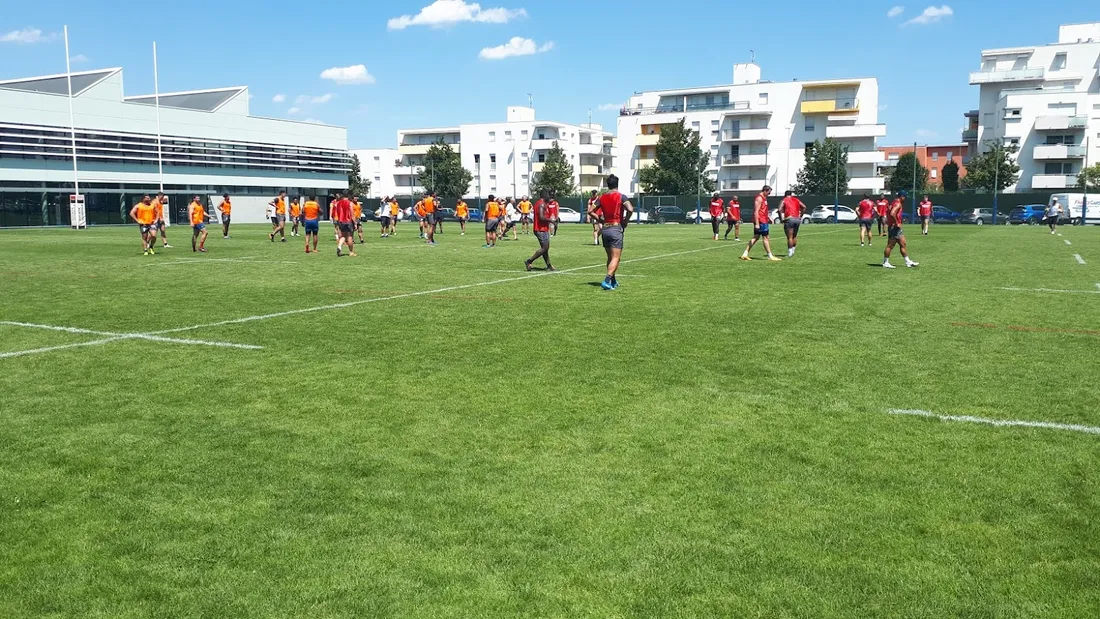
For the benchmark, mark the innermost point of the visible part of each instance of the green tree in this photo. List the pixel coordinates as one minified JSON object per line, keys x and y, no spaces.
{"x":824,"y":169}
{"x":1091,"y":175}
{"x":901,"y":179}
{"x":950,"y":177}
{"x":356,"y":185}
{"x":997,"y":163}
{"x":442,"y":172}
{"x":680,"y":168}
{"x":556,"y":174}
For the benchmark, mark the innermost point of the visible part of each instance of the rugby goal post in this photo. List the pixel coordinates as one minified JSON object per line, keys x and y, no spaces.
{"x":78,"y":214}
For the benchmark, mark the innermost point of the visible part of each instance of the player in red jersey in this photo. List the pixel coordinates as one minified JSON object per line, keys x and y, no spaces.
{"x":881,"y":206}
{"x":733,"y":219}
{"x":760,"y":225}
{"x":716,"y":207}
{"x":341,"y":214}
{"x":542,"y":231}
{"x":614,"y":211}
{"x":925,"y":215}
{"x":866,"y":213}
{"x":595,"y":222}
{"x":791,"y":210}
{"x":555,"y":213}
{"x":897,"y":237}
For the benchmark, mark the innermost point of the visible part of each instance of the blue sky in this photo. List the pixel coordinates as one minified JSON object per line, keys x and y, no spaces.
{"x":450,"y":62}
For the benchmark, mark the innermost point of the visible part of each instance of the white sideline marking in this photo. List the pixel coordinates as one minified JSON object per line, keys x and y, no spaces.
{"x":1080,"y":260}
{"x":122,"y":336}
{"x":35,"y":351}
{"x":549,"y":273}
{"x":1067,"y":242}
{"x":1055,"y":290}
{"x":998,"y":422}
{"x":422,"y":293}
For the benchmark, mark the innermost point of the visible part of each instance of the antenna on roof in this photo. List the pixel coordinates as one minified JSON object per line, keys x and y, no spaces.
{"x":530,"y":100}
{"x":752,"y":56}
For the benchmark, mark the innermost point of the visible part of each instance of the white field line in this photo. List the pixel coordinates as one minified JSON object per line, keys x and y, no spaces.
{"x":35,"y":351}
{"x":1079,"y":259}
{"x":998,"y":422}
{"x":407,"y":295}
{"x":1097,"y":291}
{"x":1067,"y":242}
{"x":549,"y":273}
{"x":117,"y":336}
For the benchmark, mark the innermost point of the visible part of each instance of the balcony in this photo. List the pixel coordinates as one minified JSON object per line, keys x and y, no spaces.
{"x":591,"y":149}
{"x":1014,"y":75}
{"x":537,"y":166}
{"x":856,"y":131}
{"x":593,"y":170}
{"x":1053,"y":181}
{"x":1061,"y":123}
{"x":867,"y":183}
{"x":744,"y":160}
{"x":830,"y":106}
{"x":868,"y":156}
{"x":422,"y":149}
{"x":743,"y":184}
{"x":543,"y":143}
{"x":746,"y":135}
{"x":970,"y":135}
{"x":1058,"y":151}
{"x":732,"y":107}
{"x":645,"y":163}
{"x":649,"y":139}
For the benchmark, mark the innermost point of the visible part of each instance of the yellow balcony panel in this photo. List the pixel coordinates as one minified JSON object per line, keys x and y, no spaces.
{"x":830,"y":106}
{"x":649,"y":139}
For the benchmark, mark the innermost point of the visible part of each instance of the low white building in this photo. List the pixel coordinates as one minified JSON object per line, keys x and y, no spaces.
{"x":1045,"y":99}
{"x":756,"y":131}
{"x":503,"y":157}
{"x":208,"y":145}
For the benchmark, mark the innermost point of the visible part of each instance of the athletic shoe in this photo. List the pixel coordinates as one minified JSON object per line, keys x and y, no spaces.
{"x":338,"y":252}
{"x":284,"y":239}
{"x":746,"y":258}
{"x":911,"y":264}
{"x":145,"y":253}
{"x":551,"y":269}
{"x":606,"y":285}
{"x":272,"y":237}
{"x":861,"y":244}
{"x":151,"y":252}
{"x":463,"y":234}
{"x":167,"y":246}
{"x":737,"y":239}
{"x":225,"y":237}
{"x":774,"y":259}
{"x":202,"y":250}
{"x":353,"y":254}
{"x":526,"y":265}
{"x":307,"y":250}
{"x":614,"y":284}
{"x":887,"y":265}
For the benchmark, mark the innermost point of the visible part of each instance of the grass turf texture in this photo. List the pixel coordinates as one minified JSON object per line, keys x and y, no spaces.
{"x":709,"y":440}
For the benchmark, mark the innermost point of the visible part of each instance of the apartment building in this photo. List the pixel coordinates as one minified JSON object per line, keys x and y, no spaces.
{"x":757,"y":131}
{"x":503,"y":157}
{"x":933,"y":158}
{"x":1045,"y":99}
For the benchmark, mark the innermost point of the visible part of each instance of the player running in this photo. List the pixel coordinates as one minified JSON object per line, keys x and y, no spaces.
{"x":614,"y":211}
{"x":881,"y":206}
{"x":278,"y":219}
{"x":925,"y":215}
{"x":760,"y":227}
{"x":897,"y":237}
{"x":226,"y":209}
{"x":492,"y":221}
{"x":144,"y":214}
{"x":462,"y":214}
{"x":542,"y":233}
{"x":791,"y":210}
{"x":866,"y":213}
{"x":295,"y":216}
{"x":429,"y":204}
{"x":341,"y":214}
{"x":733,"y":219}
{"x":1053,"y":213}
{"x":717,"y":205}
{"x":160,"y":225}
{"x":357,"y":218}
{"x":595,"y":221}
{"x":196,"y":214}
{"x":311,"y":217}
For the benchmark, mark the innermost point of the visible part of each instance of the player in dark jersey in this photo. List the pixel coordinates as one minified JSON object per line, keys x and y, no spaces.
{"x":614,"y":211}
{"x":542,"y":232}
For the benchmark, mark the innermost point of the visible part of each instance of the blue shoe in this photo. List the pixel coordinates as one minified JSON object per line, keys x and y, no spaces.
{"x":614,"y":284}
{"x":606,"y":285}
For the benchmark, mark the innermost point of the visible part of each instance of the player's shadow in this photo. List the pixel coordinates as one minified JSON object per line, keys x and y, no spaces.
{"x":877,"y":265}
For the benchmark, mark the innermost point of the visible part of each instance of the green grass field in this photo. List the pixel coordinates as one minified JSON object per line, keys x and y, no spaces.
{"x":710,"y":440}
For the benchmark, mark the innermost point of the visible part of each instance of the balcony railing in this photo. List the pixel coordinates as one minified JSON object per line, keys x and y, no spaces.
{"x":1061,"y":123}
{"x":1058,"y":151}
{"x":1012,"y":75}
{"x":1053,"y":181}
{"x":969,"y":135}
{"x":856,"y":131}
{"x":679,"y":108}
{"x":828,"y":106}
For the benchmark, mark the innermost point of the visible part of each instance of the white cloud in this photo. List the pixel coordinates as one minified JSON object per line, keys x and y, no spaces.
{"x":516,"y":46}
{"x":294,"y":110}
{"x":77,"y":59}
{"x":26,"y":35}
{"x":278,"y":98}
{"x":894,"y":12}
{"x":925,"y":133}
{"x":931,"y":15}
{"x":609,"y":107}
{"x":443,"y":13}
{"x":355,"y":74}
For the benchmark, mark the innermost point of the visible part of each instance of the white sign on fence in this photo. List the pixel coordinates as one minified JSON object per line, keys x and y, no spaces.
{"x":78,"y":216}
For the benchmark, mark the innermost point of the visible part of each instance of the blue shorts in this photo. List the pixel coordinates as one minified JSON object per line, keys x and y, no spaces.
{"x":312,"y":226}
{"x":762,"y":230}
{"x":198,"y":227}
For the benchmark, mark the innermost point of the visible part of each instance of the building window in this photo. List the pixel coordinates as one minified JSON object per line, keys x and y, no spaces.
{"x":935,"y":156}
{"x":1059,"y":62}
{"x":714,"y":123}
{"x":695,"y":125}
{"x":492,"y":136}
{"x":808,"y":145}
{"x":477,"y":158}
{"x":809,"y":123}
{"x":950,"y":156}
{"x":523,"y":155}
{"x":714,"y":134}
{"x":542,"y":157}
{"x":933,"y":172}
{"x":507,"y":136}
{"x":763,"y":98}
{"x":523,"y":178}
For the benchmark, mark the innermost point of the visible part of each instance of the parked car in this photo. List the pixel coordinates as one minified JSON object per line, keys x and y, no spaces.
{"x":694,"y":216}
{"x":568,"y":216}
{"x":826,"y":214}
{"x":666,"y":215}
{"x":976,"y":216}
{"x":1030,"y":214}
{"x":476,"y":214}
{"x":446,"y":214}
{"x":944,"y":215}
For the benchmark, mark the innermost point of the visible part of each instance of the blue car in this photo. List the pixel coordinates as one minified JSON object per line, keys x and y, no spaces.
{"x":1030,"y":214}
{"x":944,"y":215}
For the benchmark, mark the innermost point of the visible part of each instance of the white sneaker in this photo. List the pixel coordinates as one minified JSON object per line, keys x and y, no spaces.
{"x":911,"y":264}
{"x":887,"y":265}
{"x":167,"y":246}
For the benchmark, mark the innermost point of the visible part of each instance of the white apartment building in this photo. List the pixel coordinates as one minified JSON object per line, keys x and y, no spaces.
{"x":503,"y":157}
{"x":1046,"y":100}
{"x":757,"y":131}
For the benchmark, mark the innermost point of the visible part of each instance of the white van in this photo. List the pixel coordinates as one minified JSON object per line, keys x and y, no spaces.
{"x":1072,"y":205}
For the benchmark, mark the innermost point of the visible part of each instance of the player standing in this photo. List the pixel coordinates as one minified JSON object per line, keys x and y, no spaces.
{"x":511,"y":216}
{"x":341,"y":213}
{"x":144,"y":214}
{"x":596,"y":226}
{"x":226,"y":209}
{"x":525,"y":214}
{"x":791,"y":210}
{"x":311,"y":216}
{"x":492,"y":221}
{"x":278,"y":221}
{"x":897,"y":237}
{"x":733,"y":219}
{"x":717,"y":205}
{"x":614,"y":211}
{"x":925,"y":215}
{"x":429,"y":217}
{"x":866,"y":213}
{"x":160,"y":226}
{"x":462,"y":214}
{"x":395,"y":214}
{"x":555,"y":213}
{"x":196,"y":214}
{"x":760,"y":227}
{"x":542,"y":233}
{"x":357,"y":217}
{"x":881,"y":206}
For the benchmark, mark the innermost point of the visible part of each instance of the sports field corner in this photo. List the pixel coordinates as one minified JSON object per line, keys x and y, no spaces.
{"x":435,"y":432}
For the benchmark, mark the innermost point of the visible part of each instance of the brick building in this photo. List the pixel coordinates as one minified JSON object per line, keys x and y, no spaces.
{"x":931,"y":157}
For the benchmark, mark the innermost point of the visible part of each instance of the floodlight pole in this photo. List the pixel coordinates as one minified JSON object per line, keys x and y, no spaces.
{"x":72,"y":121}
{"x":996,"y":179}
{"x":1085,"y":185}
{"x":913,"y":199}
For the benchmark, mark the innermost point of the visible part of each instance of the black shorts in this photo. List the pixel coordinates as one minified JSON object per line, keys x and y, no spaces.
{"x":1050,"y":221}
{"x":147,"y":228}
{"x":492,"y":224}
{"x":225,"y":219}
{"x":385,"y":222}
{"x":925,"y":219}
{"x":526,"y":219}
{"x":612,"y":237}
{"x":345,"y":228}
{"x":881,"y":219}
{"x":895,"y":233}
{"x":274,"y":221}
{"x":160,"y":224}
{"x":430,"y":219}
{"x":543,"y":237}
{"x":866,"y":223}
{"x":792,"y":225}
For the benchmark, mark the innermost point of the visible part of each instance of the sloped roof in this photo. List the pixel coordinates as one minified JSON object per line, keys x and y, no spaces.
{"x":201,"y":100}
{"x":58,"y":84}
